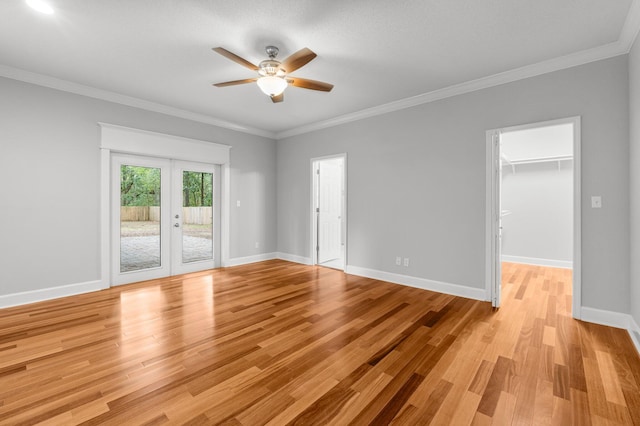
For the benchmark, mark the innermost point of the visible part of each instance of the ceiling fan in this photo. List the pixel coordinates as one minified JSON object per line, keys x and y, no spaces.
{"x":274,"y":75}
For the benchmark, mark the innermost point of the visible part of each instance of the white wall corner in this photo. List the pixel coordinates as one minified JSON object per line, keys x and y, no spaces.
{"x":422,"y":283}
{"x":294,"y":258}
{"x":237,"y":261}
{"x":26,"y":297}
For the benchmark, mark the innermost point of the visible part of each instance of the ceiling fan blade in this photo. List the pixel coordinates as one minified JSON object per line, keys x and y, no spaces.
{"x":309,"y":84}
{"x":235,"y":58}
{"x":235,"y":82}
{"x":297,"y":60}
{"x":277,"y":98}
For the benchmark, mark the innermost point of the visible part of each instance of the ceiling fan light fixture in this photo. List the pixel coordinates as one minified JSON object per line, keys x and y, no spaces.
{"x":273,"y":76}
{"x":272,"y":85}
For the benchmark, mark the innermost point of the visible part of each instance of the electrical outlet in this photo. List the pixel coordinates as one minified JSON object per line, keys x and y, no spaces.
{"x":238,"y":203}
{"x":257,"y":244}
{"x":406,"y":261}
{"x":596,"y":202}
{"x":398,"y":261}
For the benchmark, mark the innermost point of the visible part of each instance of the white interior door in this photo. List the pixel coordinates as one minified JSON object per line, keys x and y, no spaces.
{"x":497,"y":221}
{"x":165,"y":217}
{"x":329,"y":210}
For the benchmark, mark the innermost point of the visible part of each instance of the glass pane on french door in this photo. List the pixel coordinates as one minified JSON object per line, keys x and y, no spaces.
{"x":197,"y":216}
{"x":140,"y":207}
{"x":139,"y":217}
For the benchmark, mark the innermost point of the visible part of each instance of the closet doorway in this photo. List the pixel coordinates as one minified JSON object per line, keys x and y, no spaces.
{"x":328,"y":206}
{"x":533,"y":201}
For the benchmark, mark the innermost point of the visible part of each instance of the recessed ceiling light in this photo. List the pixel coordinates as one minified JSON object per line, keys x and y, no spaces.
{"x":41,"y":6}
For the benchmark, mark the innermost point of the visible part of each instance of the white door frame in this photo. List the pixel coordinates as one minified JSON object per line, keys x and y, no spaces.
{"x":493,"y":150}
{"x":492,"y":212}
{"x":312,"y":209}
{"x":128,"y":140}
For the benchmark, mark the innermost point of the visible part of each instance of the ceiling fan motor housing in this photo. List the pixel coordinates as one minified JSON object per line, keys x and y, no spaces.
{"x":272,"y":51}
{"x":270,"y":68}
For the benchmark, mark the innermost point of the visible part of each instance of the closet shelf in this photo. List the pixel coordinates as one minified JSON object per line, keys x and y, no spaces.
{"x":557,"y":158}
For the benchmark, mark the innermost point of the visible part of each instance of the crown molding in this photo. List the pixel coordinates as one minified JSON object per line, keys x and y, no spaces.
{"x":628,"y":36}
{"x":631,"y":27}
{"x":575,"y":59}
{"x":105,"y":95}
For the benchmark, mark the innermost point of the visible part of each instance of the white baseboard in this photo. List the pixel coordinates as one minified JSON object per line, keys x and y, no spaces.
{"x":23,"y":298}
{"x":565,"y":264}
{"x":613,"y":319}
{"x":236,"y":261}
{"x":423,"y":283}
{"x":608,"y":318}
{"x":294,"y":258}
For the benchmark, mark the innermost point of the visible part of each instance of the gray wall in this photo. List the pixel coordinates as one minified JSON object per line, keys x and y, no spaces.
{"x":540,"y":199}
{"x":416,"y":179}
{"x":634,"y":104}
{"x":49,"y":183}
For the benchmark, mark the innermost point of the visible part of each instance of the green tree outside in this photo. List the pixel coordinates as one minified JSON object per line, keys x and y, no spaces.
{"x":196,"y":189}
{"x":140,"y":186}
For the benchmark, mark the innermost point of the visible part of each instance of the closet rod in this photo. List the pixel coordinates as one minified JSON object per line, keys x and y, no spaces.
{"x":541,"y":159}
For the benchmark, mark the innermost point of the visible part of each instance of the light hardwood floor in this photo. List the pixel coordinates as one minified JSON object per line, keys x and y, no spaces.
{"x":281,"y":343}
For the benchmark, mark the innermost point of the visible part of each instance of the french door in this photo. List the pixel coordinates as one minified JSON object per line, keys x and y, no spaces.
{"x":165,"y":217}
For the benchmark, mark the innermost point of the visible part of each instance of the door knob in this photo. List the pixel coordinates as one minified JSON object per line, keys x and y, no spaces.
{"x":177,"y":225}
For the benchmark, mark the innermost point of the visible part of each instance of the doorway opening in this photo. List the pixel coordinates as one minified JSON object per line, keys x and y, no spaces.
{"x":328,"y":206}
{"x":533,"y":213}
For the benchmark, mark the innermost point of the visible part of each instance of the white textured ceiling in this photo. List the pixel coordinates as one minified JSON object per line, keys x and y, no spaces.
{"x":374,"y":51}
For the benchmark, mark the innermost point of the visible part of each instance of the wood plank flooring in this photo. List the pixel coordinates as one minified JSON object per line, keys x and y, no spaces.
{"x":280,"y":343}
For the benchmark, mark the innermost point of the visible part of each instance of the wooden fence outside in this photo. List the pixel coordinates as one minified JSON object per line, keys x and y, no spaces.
{"x":197,"y":215}
{"x":190,"y":215}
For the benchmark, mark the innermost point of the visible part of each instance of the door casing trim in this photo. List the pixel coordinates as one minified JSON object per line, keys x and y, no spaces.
{"x":128,"y":140}
{"x":312,"y":217}
{"x":577,"y":207}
